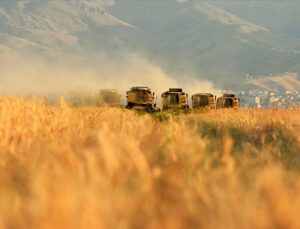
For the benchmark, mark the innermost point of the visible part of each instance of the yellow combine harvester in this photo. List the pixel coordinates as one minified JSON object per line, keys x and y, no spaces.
{"x":109,"y":97}
{"x":141,"y":98}
{"x":175,"y":98}
{"x":204,"y":100}
{"x":228,"y":101}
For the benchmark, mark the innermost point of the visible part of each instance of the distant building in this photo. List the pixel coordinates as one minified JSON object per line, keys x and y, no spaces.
{"x":257,"y":102}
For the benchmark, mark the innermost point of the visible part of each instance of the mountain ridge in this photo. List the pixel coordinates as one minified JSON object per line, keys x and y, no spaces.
{"x":186,"y":39}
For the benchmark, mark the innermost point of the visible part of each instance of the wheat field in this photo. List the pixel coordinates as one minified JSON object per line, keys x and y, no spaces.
{"x":88,"y":167}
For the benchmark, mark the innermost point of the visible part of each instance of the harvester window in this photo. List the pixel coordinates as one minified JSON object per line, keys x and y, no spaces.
{"x":202,"y":100}
{"x":174,"y":99}
{"x":228,"y":103}
{"x":142,"y":95}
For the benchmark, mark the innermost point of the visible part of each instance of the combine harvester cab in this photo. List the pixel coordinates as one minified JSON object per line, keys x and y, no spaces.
{"x":204,"y":100}
{"x":109,"y":97}
{"x":175,"y":98}
{"x":228,"y":101}
{"x":141,"y":98}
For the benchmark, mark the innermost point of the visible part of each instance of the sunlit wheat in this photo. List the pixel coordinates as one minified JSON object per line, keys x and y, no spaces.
{"x":65,"y":167}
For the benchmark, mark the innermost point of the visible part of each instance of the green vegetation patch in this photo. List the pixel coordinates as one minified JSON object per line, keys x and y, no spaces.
{"x":280,"y":141}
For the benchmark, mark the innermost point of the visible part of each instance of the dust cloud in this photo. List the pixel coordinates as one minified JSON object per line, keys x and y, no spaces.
{"x":32,"y":76}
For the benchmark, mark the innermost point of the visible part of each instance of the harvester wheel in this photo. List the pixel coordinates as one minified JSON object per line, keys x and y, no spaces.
{"x":129,"y":106}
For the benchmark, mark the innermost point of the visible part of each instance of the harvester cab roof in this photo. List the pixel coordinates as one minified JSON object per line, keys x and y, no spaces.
{"x":204,"y":94}
{"x":175,"y":91}
{"x":139,"y":88}
{"x":229,"y":95}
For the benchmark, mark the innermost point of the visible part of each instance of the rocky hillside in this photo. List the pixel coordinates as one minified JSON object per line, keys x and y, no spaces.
{"x":206,"y":40}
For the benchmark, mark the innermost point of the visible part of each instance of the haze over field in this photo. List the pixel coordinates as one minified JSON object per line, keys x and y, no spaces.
{"x":53,"y":46}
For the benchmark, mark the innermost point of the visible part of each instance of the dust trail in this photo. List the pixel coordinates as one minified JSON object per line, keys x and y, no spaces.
{"x":32,"y":76}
